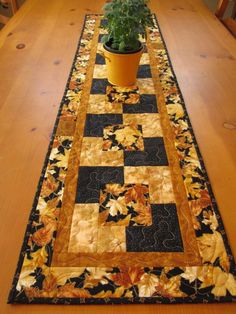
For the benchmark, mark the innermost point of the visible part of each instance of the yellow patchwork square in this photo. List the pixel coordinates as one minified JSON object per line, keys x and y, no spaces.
{"x":102,"y":31}
{"x":160,"y":185}
{"x":98,"y":105}
{"x":136,"y":175}
{"x":93,"y":155}
{"x":100,"y":71}
{"x":83,"y":236}
{"x":100,"y":48}
{"x":158,"y":178}
{"x":146,"y":86}
{"x":111,"y":239}
{"x":150,"y":123}
{"x":145,"y":59}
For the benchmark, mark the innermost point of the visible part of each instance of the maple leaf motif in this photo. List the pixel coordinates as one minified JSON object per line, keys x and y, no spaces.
{"x":136,"y":193}
{"x":117,"y":206}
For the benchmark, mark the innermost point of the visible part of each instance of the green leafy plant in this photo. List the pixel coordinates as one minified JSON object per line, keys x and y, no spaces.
{"x":126,"y":21}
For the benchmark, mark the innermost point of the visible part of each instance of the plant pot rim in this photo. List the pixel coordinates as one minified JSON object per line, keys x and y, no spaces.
{"x":106,"y":47}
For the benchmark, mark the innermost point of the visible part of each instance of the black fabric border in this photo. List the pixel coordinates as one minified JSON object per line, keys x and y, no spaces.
{"x":117,"y":301}
{"x":197,"y":299}
{"x":45,"y":164}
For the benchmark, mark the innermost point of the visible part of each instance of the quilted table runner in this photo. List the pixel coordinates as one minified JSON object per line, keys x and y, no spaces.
{"x":124,"y":212}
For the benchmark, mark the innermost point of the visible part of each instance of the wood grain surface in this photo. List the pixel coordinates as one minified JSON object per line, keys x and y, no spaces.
{"x":36,"y":51}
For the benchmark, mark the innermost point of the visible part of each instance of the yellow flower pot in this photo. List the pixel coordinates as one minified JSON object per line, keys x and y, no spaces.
{"x":122,"y":67}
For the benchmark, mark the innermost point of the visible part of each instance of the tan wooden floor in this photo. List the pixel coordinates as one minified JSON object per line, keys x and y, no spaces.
{"x":32,"y":82}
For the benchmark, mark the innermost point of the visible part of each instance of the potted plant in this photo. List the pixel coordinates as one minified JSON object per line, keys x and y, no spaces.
{"x":126,"y":21}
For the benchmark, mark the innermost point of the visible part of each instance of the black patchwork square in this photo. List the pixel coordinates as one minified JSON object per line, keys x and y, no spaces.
{"x":99,"y":59}
{"x":103,"y":23}
{"x":162,"y":236}
{"x":99,"y":86}
{"x":154,"y":154}
{"x":91,"y":179}
{"x":147,"y":104}
{"x":100,"y":37}
{"x":95,"y":123}
{"x":144,"y":71}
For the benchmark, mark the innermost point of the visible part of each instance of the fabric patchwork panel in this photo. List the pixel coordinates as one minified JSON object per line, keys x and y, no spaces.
{"x":99,"y":86}
{"x":154,"y":154}
{"x":160,"y":185}
{"x":92,"y":154}
{"x":146,"y":86}
{"x":147,"y":104}
{"x":99,"y":59}
{"x":111,"y":239}
{"x":162,"y":236}
{"x":84,"y":228}
{"x":92,"y":178}
{"x":145,"y":58}
{"x":95,"y":123}
{"x":99,"y":105}
{"x":100,"y":71}
{"x":158,"y":179}
{"x":144,"y":71}
{"x":136,"y":175}
{"x":150,"y":122}
{"x":103,"y":23}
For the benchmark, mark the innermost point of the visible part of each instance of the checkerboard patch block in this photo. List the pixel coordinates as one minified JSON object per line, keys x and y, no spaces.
{"x":124,"y":173}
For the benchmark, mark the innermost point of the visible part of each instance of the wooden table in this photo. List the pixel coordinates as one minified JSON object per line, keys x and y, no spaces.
{"x":36,"y":51}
